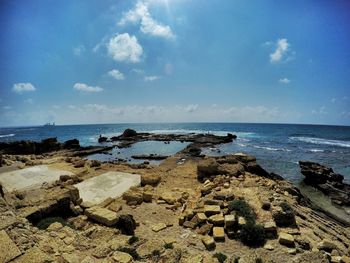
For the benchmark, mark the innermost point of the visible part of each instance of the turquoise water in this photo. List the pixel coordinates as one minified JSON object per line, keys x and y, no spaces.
{"x":278,"y":147}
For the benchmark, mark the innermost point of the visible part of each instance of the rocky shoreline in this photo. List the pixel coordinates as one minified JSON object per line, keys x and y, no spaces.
{"x":190,"y":208}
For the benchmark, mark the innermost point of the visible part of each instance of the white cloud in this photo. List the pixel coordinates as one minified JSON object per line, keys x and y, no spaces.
{"x":281,"y":49}
{"x":124,"y":47}
{"x":23,"y":87}
{"x":140,"y":14}
{"x":284,"y":81}
{"x":79,"y":50}
{"x":138,"y":71}
{"x":85,"y":88}
{"x":151,"y":78}
{"x":191,"y":108}
{"x":114,"y":73}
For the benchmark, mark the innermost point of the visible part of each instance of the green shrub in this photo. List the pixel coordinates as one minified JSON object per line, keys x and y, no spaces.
{"x":259,"y":260}
{"x":252,"y":234}
{"x":168,"y":246}
{"x":46,"y":222}
{"x":236,"y":260}
{"x":133,"y":240}
{"x":243,"y":209}
{"x":220,"y":257}
{"x":131,"y":251}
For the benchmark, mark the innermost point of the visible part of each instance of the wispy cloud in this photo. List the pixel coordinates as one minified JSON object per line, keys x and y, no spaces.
{"x":114,"y":73}
{"x":151,"y":78}
{"x":124,"y":47}
{"x":85,"y":88}
{"x":79,"y":50}
{"x":29,"y":101}
{"x":284,"y":81}
{"x":282,"y":47}
{"x":23,"y":87}
{"x":148,"y":25}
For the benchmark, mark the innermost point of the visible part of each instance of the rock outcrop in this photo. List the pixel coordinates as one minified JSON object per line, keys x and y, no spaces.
{"x":327,"y":181}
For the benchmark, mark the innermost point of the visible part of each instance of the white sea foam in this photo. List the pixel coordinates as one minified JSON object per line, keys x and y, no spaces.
{"x":272,"y":149}
{"x":7,"y":135}
{"x":316,"y":150}
{"x":322,"y":141}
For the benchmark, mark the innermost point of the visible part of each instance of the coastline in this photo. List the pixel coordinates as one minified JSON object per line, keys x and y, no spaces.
{"x":170,"y":192}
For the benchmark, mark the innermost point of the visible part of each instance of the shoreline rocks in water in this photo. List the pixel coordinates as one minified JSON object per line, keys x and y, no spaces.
{"x":326,"y":180}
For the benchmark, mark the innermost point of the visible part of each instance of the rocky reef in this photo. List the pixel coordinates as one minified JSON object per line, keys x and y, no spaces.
{"x":326,"y":180}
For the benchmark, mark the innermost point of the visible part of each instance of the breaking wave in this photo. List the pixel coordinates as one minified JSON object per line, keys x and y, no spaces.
{"x":7,"y":135}
{"x":322,"y":141}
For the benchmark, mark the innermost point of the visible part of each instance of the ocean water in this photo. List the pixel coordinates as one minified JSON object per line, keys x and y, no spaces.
{"x":278,"y":147}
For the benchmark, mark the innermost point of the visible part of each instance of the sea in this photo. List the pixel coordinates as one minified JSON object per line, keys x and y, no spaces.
{"x":277,"y":147}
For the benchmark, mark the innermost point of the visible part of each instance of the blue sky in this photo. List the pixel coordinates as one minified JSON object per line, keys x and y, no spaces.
{"x":174,"y":60}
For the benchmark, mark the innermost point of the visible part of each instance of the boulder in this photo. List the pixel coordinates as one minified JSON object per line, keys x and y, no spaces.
{"x":206,"y":168}
{"x":71,"y":144}
{"x":218,"y":233}
{"x":122,"y":257}
{"x":129,"y":133}
{"x":208,"y":242}
{"x":133,"y":196}
{"x":126,"y":224}
{"x":286,"y":239}
{"x":150,"y":179}
{"x":102,"y":215}
{"x":283,"y":217}
{"x":326,"y":245}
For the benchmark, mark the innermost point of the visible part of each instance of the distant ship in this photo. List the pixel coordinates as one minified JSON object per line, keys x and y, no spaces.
{"x":49,"y":124}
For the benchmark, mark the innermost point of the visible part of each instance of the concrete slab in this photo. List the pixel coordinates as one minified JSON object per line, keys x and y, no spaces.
{"x":111,"y":184}
{"x":32,"y":177}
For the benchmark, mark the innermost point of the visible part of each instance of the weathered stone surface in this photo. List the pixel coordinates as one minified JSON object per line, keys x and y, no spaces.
{"x":326,"y":245}
{"x":230,"y":220}
{"x":121,"y":257}
{"x":70,"y":258}
{"x":286,"y":239}
{"x":210,"y":210}
{"x":111,"y":184}
{"x":147,"y":196}
{"x":34,"y":255}
{"x":283,"y":218}
{"x":208,"y":242}
{"x":8,"y":249}
{"x":241,"y":221}
{"x":217,"y":220}
{"x":133,"y":196}
{"x":270,"y":228}
{"x":150,"y":179}
{"x":218,"y":233}
{"x":55,"y":226}
{"x":314,"y":256}
{"x":205,"y":229}
{"x":102,"y":215}
{"x":32,"y":177}
{"x":201,"y":218}
{"x":206,"y":168}
{"x":158,"y":227}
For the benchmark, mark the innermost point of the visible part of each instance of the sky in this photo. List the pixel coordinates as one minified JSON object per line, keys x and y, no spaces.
{"x":82,"y":62}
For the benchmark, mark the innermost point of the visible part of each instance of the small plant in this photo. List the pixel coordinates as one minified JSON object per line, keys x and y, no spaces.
{"x":46,"y":222}
{"x":252,"y":234}
{"x":133,"y":240}
{"x":259,"y":260}
{"x":131,"y":251}
{"x":243,"y":209}
{"x":168,"y":246}
{"x":220,"y":257}
{"x":236,"y":260}
{"x":156,"y":253}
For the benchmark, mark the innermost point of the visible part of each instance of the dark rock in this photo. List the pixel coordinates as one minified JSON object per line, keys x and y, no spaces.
{"x":149,"y":157}
{"x":283,"y":215}
{"x":129,"y":133}
{"x":71,"y":144}
{"x":102,"y":139}
{"x":232,"y":136}
{"x":126,"y":224}
{"x":326,"y":180}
